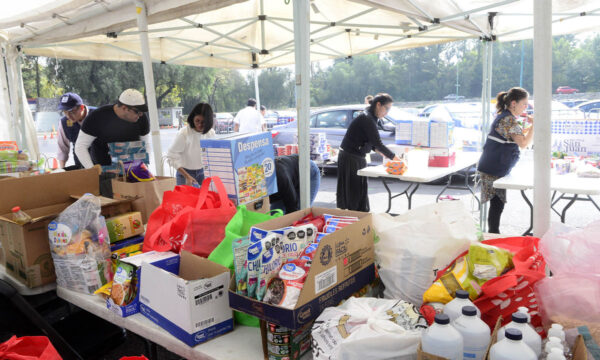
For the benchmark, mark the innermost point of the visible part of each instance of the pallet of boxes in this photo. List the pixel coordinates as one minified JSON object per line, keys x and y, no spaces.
{"x":289,"y":269}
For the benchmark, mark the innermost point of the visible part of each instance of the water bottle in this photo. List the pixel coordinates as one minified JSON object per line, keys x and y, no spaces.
{"x":553,"y":343}
{"x":475,"y":333}
{"x":557,"y":330}
{"x":555,"y":354}
{"x":441,"y":339}
{"x":530,"y":337}
{"x":454,"y":308}
{"x":512,"y":347}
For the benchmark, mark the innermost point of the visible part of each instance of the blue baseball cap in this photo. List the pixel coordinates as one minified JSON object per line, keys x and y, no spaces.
{"x":69,"y":100}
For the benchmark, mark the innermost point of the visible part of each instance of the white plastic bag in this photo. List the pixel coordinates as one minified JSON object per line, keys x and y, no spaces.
{"x":412,"y":247}
{"x":368,"y":328}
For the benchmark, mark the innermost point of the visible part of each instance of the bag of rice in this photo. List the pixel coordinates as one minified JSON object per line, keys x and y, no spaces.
{"x":285,"y":289}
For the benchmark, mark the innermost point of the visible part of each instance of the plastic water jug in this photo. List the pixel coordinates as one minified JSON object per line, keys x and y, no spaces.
{"x":525,"y":310}
{"x":454,"y":308}
{"x":556,"y":330}
{"x":475,"y":333}
{"x":442,"y":339}
{"x":553,"y":343}
{"x":512,"y":347}
{"x":530,"y":337}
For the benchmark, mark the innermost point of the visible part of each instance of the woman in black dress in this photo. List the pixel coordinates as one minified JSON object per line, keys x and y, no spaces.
{"x":362,"y":137}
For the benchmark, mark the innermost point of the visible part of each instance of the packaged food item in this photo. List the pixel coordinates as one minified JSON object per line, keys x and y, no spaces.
{"x":318,"y":221}
{"x":295,"y":239}
{"x":285,"y":289}
{"x":124,"y":226}
{"x":20,"y":216}
{"x":319,"y":236}
{"x":309,"y":252}
{"x":487,"y":262}
{"x":457,"y":277}
{"x":240,"y":264}
{"x":328,"y":217}
{"x":125,"y":248}
{"x":123,"y":289}
{"x":287,"y":344}
{"x":396,"y":167}
{"x":255,"y":252}
{"x":269,"y":267}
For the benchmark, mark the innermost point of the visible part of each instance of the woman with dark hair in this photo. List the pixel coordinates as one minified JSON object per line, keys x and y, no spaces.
{"x":501,"y":150}
{"x":185,"y":154}
{"x":361,"y":137}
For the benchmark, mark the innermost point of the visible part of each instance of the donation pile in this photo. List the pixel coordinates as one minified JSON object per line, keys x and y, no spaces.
{"x":272,"y":266}
{"x":12,"y":161}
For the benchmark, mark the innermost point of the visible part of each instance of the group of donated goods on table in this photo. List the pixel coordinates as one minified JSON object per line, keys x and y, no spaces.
{"x":348,"y":285}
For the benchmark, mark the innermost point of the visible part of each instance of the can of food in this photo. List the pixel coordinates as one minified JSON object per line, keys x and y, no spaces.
{"x":278,"y":349}
{"x":274,"y":328}
{"x":276,"y":338}
{"x":278,"y":357}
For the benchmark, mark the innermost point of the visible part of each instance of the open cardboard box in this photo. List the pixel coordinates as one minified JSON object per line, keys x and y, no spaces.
{"x":343,"y":264}
{"x":26,"y":247}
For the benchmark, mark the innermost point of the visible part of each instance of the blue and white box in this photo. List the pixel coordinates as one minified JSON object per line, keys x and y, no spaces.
{"x":441,"y":134}
{"x":191,"y":303}
{"x":245,"y":164}
{"x":165,"y":260}
{"x":404,"y":132}
{"x":420,"y":132}
{"x":576,"y":136}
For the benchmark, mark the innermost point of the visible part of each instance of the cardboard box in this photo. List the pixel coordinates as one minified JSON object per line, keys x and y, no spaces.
{"x":438,"y":157}
{"x":343,"y":264}
{"x":43,"y":197}
{"x":403,"y":134}
{"x":168,"y":261}
{"x":420,"y":132}
{"x":576,"y":137}
{"x":191,"y":302}
{"x":422,"y":355}
{"x":124,"y":226}
{"x":245,"y":164}
{"x":441,"y":134}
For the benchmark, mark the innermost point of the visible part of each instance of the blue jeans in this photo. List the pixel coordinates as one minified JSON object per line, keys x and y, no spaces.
{"x":196,"y":174}
{"x":315,"y":182}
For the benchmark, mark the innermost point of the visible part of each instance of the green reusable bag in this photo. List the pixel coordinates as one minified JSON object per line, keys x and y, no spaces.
{"x":239,"y":226}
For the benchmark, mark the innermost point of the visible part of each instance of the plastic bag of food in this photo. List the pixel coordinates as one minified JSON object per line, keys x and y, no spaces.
{"x":270,"y":263}
{"x":487,"y":262}
{"x":240,"y":264}
{"x":457,"y":277}
{"x":368,"y":328}
{"x":295,"y":239}
{"x":255,"y":253}
{"x":123,"y":287}
{"x":79,"y":244}
{"x":285,"y":289}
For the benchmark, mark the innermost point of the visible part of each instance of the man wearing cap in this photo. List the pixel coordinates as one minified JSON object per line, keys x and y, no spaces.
{"x":74,"y":112}
{"x":123,"y":121}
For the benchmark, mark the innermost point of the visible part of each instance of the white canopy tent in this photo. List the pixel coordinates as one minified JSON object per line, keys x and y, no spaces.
{"x":258,"y":33}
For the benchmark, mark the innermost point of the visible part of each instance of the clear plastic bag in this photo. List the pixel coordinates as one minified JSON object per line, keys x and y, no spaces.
{"x":80,"y":248}
{"x":572,"y":250}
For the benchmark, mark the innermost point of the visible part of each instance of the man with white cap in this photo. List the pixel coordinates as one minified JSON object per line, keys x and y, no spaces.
{"x":74,"y":111}
{"x":123,"y":121}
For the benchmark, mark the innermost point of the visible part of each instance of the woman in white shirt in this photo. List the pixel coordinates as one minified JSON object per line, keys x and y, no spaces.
{"x":185,"y":154}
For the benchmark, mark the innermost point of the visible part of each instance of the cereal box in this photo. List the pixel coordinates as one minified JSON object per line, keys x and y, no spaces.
{"x":244,"y":162}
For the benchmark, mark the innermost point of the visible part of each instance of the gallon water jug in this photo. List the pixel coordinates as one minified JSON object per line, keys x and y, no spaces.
{"x":530,"y":337}
{"x":475,"y":333}
{"x":454,"y":308}
{"x":553,"y":343}
{"x":555,"y":354}
{"x":442,"y":339}
{"x":525,"y":310}
{"x":512,"y":347}
{"x":556,"y":330}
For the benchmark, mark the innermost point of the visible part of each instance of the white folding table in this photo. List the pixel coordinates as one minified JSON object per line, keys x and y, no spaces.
{"x":464,"y":162}
{"x":242,"y":343}
{"x":571,"y":188}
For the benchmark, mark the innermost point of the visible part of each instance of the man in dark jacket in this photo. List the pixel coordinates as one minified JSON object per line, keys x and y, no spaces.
{"x":287,"y":196}
{"x":74,"y":111}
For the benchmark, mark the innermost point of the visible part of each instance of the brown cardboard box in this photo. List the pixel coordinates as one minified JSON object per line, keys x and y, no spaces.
{"x":422,"y":355}
{"x":146,"y":195}
{"x":343,"y":264}
{"x":43,"y":197}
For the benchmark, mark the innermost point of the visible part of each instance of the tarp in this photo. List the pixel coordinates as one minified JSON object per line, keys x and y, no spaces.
{"x":243,"y":34}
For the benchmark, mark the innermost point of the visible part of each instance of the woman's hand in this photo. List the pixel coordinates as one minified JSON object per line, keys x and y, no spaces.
{"x":396,"y":158}
{"x":530,"y":119}
{"x":189,"y":180}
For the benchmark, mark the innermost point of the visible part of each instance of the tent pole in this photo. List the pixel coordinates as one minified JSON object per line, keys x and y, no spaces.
{"x":12,"y":69}
{"x":485,"y":106}
{"x":256,"y":91}
{"x":542,"y":88}
{"x":302,"y":56}
{"x":142,"y":21}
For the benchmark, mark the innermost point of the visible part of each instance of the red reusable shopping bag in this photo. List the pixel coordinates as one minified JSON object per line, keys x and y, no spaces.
{"x":189,"y":215}
{"x":28,"y":348}
{"x":503,"y":295}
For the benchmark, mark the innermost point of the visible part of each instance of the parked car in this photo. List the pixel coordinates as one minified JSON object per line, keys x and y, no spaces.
{"x":573,"y":103}
{"x":334,"y":121}
{"x":590,"y":108}
{"x":271,"y":118}
{"x":558,"y":111}
{"x":453,"y":97}
{"x":566,"y":90}
{"x":223,"y":123}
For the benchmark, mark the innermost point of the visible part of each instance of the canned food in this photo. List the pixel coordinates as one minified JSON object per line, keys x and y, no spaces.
{"x":278,"y":349}
{"x":278,"y":338}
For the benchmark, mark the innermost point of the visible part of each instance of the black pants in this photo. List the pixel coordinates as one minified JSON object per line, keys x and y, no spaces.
{"x":352,"y":190}
{"x":106,"y":184}
{"x":495,"y":211}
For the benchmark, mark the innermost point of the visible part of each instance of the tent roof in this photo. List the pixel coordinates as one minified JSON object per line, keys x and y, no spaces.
{"x":259,"y":33}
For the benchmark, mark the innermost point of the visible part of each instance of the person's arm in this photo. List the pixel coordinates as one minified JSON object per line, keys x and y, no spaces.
{"x":175,"y":155}
{"x":374,"y":139}
{"x":236,"y":122}
{"x":82,"y":149}
{"x":189,"y":179}
{"x":526,"y":138}
{"x":64,"y":145}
